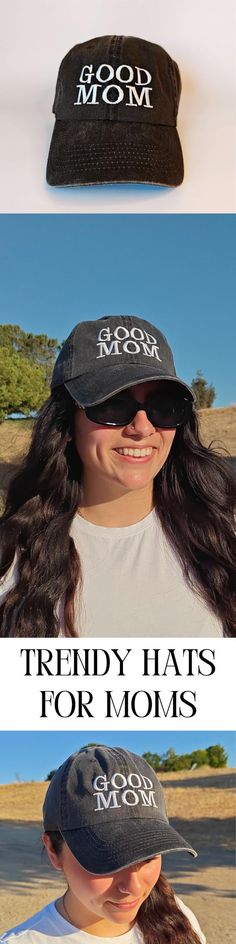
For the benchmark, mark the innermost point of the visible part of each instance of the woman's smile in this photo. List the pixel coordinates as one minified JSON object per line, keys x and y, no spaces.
{"x":125,"y":905}
{"x":135,"y":453}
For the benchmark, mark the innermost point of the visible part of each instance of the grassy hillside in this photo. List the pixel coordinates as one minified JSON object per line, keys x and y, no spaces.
{"x":192,"y":793}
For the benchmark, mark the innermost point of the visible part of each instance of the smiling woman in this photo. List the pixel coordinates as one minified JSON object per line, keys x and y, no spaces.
{"x":106,"y":828}
{"x":120,"y":521}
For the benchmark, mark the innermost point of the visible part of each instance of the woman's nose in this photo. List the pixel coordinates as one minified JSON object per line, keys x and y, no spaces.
{"x":130,"y":882}
{"x":140,"y":425}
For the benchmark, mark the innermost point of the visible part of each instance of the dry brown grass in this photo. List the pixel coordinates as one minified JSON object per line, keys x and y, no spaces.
{"x":14,"y":443}
{"x":219,"y":425}
{"x":189,"y":794}
{"x":14,"y":439}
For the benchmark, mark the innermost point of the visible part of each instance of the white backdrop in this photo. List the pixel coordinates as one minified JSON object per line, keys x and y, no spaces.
{"x":199,"y":34}
{"x":27,"y":701}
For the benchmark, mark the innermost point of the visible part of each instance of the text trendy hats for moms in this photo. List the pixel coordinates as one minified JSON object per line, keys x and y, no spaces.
{"x":109,"y":808}
{"x":102,"y":357}
{"x":116,"y":106}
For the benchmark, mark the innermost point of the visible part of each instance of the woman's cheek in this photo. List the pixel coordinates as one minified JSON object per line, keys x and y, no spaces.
{"x":169,"y":439}
{"x":153,"y":871}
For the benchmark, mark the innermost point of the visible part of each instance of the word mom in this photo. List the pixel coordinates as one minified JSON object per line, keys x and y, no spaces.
{"x":129,"y":791}
{"x":134,"y":95}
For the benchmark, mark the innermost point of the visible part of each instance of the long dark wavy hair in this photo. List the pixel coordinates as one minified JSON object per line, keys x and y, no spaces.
{"x":160,"y":919}
{"x":194,"y":492}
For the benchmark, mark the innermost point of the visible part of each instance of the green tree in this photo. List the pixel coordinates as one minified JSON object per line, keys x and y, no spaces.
{"x":169,"y":760}
{"x":217,"y":756}
{"x":205,"y":393}
{"x":23,"y":386}
{"x":37,"y":348}
{"x":153,"y":759}
{"x":199,"y":758}
{"x":183,"y":762}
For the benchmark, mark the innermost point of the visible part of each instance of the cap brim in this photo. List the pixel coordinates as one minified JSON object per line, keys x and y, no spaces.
{"x":99,"y":152}
{"x":123,"y":845}
{"x":90,"y":389}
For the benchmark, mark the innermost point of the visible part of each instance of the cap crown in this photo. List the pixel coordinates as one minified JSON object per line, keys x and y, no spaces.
{"x":119,"y":78}
{"x":121,"y":339}
{"x":101,"y":784}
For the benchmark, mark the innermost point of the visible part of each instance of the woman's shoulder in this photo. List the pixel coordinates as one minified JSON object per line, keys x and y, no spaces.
{"x":192,"y":919}
{"x":48,"y":925}
{"x":45,"y":922}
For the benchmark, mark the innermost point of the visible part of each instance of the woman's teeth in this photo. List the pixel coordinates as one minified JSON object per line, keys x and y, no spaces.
{"x":137,"y":453}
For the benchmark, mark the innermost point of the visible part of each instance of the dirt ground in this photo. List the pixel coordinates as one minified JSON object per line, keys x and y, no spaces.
{"x":200,"y":804}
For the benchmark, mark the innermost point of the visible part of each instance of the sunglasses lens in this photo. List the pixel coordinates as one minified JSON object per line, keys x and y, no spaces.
{"x":169,"y":412}
{"x":117,"y":411}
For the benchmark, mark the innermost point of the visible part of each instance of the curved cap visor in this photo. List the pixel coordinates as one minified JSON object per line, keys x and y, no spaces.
{"x":125,"y":845}
{"x":88,"y":390}
{"x":100,"y":152}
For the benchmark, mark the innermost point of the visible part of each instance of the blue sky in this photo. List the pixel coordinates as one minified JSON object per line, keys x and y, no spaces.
{"x":30,"y":755}
{"x":176,"y":271}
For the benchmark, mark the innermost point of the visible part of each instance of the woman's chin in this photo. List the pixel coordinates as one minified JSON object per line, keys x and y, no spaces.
{"x":134,"y":477}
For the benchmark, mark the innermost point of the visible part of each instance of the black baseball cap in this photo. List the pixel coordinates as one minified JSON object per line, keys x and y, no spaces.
{"x":116,"y":106}
{"x":100,"y":358}
{"x":109,"y":808}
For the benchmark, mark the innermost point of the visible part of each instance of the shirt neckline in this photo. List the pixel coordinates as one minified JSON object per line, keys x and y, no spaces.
{"x":88,"y":527}
{"x":93,"y":938}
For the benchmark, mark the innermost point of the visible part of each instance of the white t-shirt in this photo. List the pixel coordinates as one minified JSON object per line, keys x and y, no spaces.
{"x":47,"y":926}
{"x":133,"y":584}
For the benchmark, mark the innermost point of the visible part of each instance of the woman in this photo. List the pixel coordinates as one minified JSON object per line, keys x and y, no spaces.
{"x":120,"y":521}
{"x":106,"y":828}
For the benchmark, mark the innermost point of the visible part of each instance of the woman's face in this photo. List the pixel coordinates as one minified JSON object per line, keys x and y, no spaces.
{"x":115,"y":898}
{"x":101,"y":448}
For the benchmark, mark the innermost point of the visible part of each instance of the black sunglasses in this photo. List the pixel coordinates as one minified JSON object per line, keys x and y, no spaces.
{"x":166,"y":410}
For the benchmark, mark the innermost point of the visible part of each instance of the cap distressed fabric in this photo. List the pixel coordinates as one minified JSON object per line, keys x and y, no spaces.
{"x":116,"y":106}
{"x":102,"y":357}
{"x":109,"y":808}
